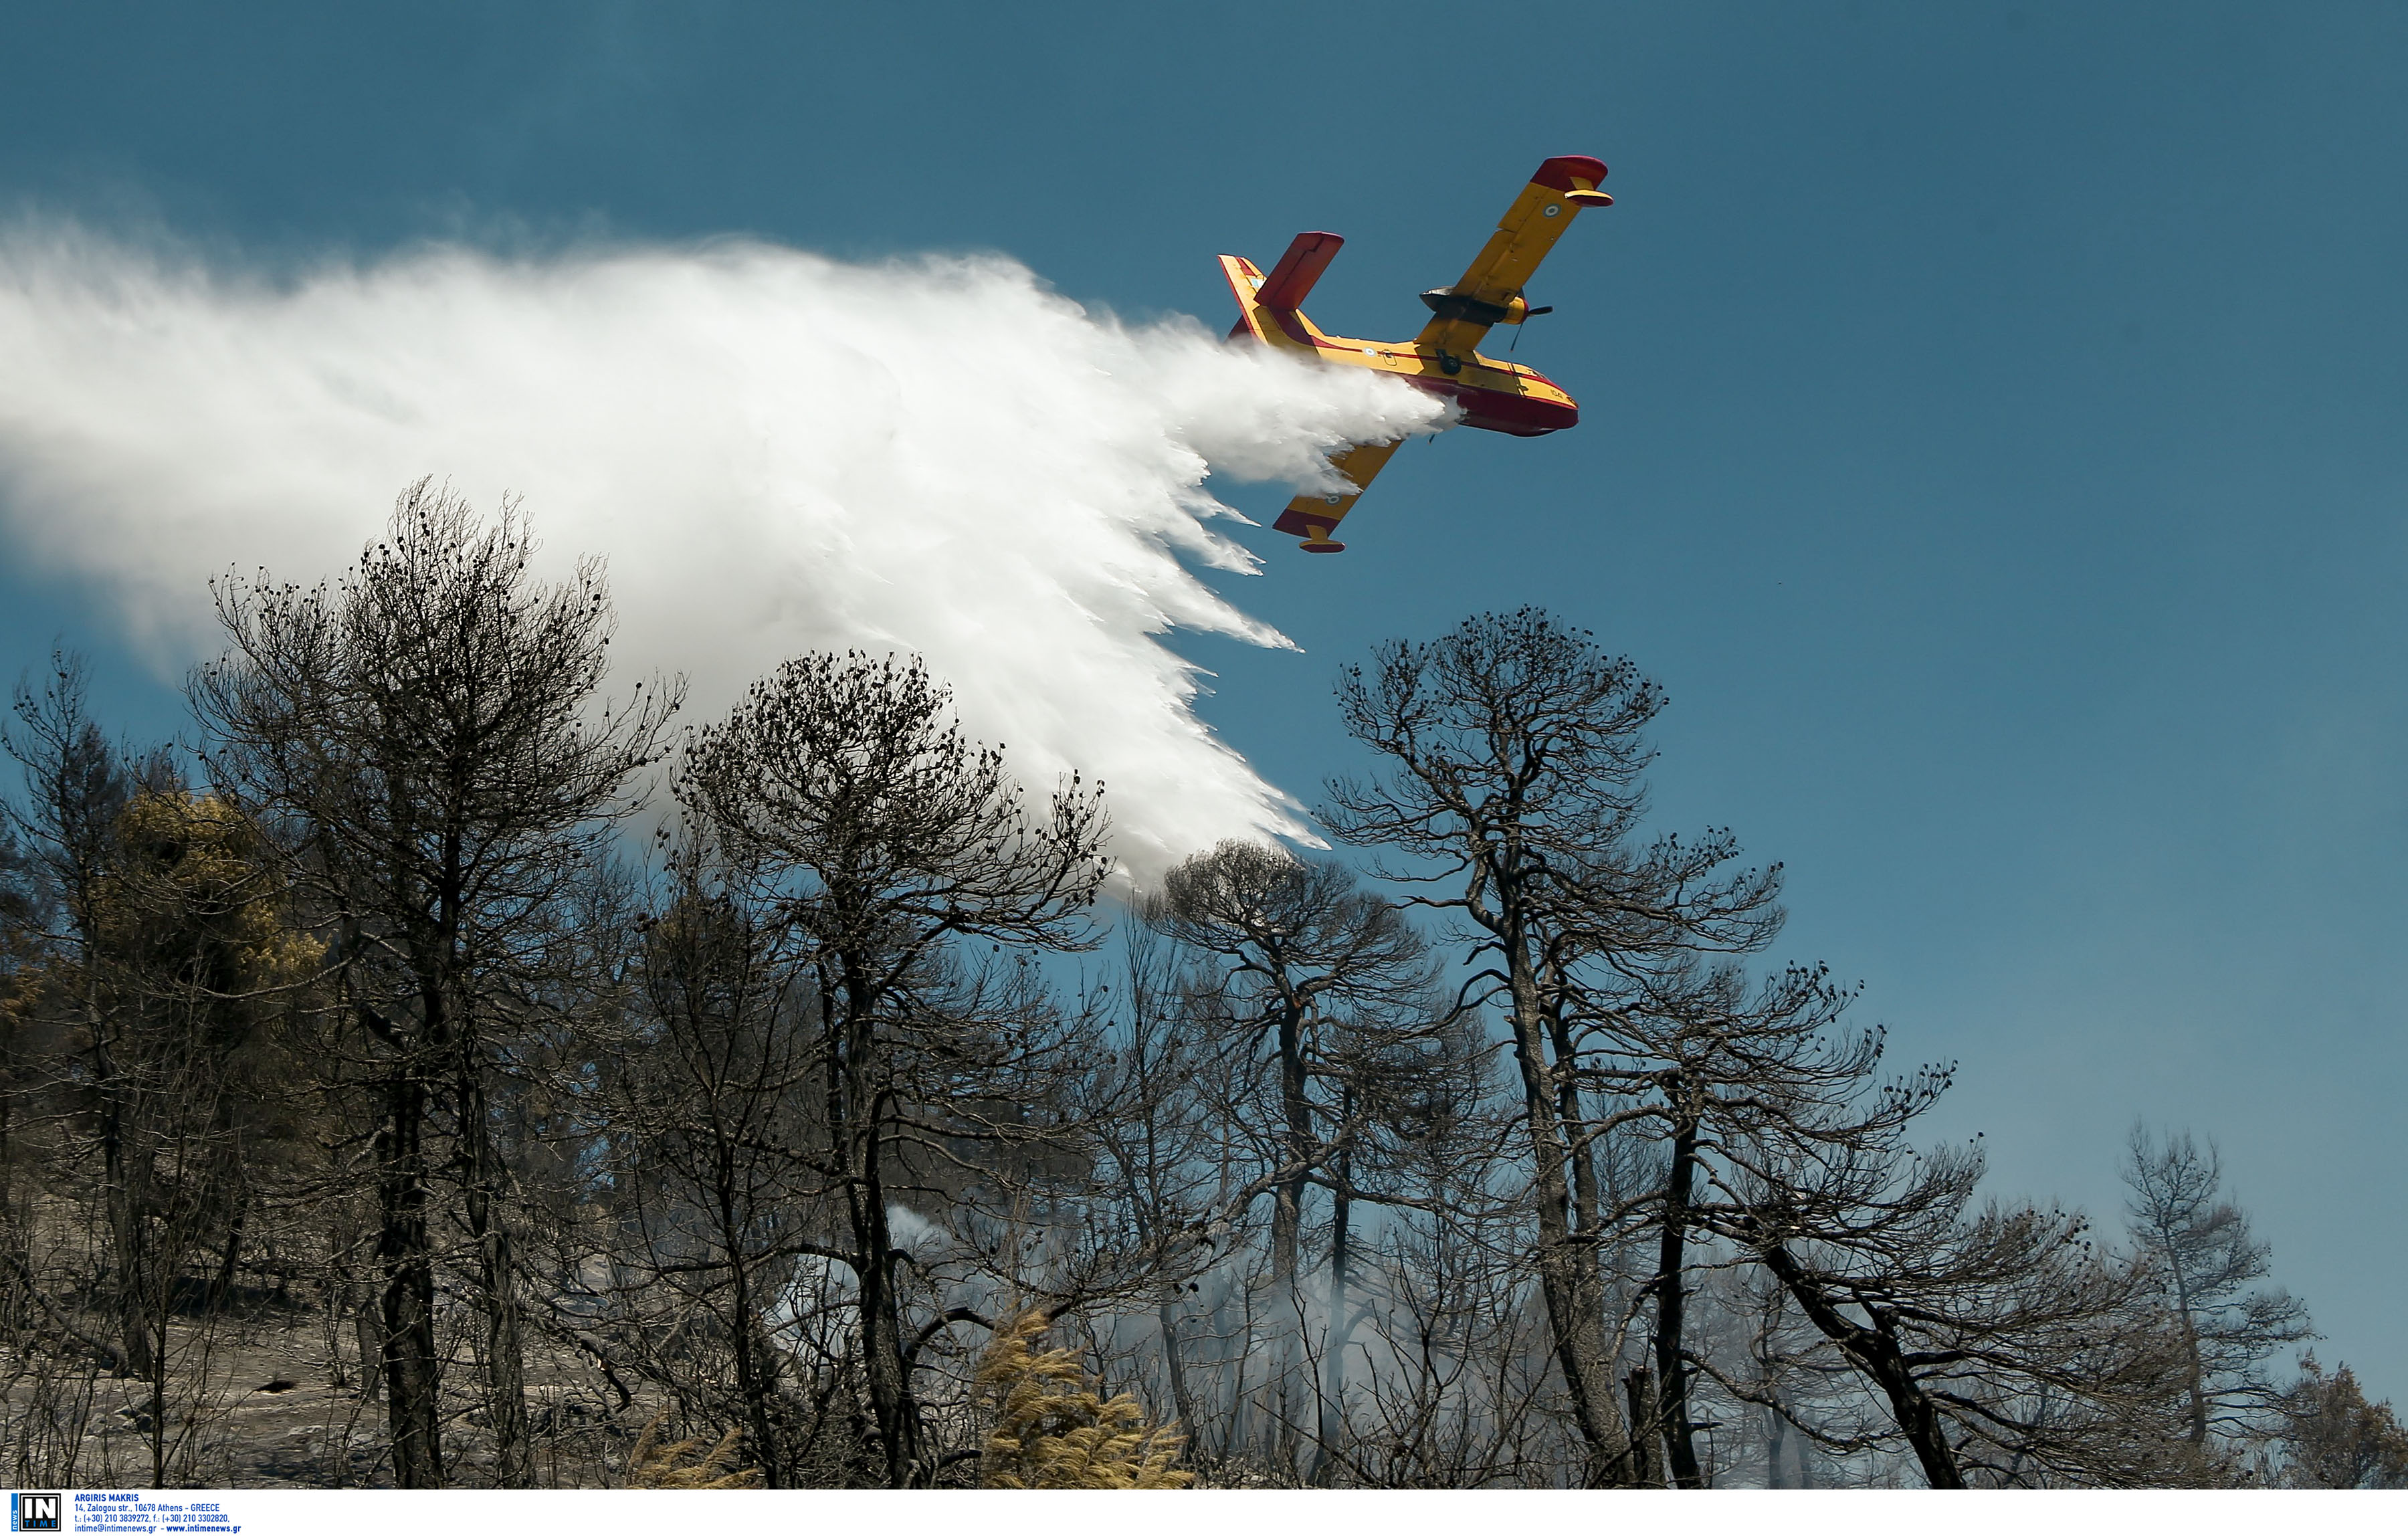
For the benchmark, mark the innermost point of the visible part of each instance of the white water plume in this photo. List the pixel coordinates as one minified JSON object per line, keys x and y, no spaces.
{"x":774,"y":451}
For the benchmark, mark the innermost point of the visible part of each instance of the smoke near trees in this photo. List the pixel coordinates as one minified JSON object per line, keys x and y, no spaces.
{"x":498,"y":1079}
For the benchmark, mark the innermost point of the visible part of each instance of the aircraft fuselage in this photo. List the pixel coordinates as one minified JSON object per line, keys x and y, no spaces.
{"x":1494,"y":394}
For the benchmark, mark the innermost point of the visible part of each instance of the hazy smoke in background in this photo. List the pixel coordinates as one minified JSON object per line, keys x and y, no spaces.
{"x":775,"y":452}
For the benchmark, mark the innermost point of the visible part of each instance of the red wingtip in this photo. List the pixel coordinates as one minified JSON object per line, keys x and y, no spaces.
{"x":1558,"y":172}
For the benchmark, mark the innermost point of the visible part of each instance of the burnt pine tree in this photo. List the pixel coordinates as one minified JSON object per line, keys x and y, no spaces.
{"x":78,"y":786}
{"x":1154,"y":1129}
{"x":2198,"y":1248}
{"x":876,"y":835}
{"x":202,"y":964}
{"x":2007,"y":1347}
{"x":2327,"y":1435}
{"x":1699,"y":1059}
{"x":711,"y":1110}
{"x":1323,"y":988}
{"x":165,"y":955}
{"x":1511,"y":787}
{"x":426,"y":737}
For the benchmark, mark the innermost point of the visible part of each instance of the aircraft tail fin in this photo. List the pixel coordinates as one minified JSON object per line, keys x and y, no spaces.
{"x":1269,"y":305}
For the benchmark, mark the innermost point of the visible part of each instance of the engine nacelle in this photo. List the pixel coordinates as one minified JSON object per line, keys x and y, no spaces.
{"x":1446,"y":304}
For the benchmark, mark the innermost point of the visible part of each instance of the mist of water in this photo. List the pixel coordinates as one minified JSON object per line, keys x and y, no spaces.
{"x":773,"y":451}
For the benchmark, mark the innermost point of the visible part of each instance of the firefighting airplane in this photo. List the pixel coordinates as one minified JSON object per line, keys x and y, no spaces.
{"x":1500,"y":397}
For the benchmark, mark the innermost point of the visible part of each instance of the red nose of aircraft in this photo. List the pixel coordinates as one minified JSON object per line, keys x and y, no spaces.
{"x":1501,"y":410}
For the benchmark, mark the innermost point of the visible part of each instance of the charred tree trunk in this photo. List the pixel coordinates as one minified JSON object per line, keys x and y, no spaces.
{"x":1341,"y":1327}
{"x":885,"y":1369}
{"x":497,"y":1284}
{"x":1640,"y":1387}
{"x":16,"y":1262}
{"x":230,"y":1259}
{"x":360,"y":1300}
{"x":1671,"y":1299}
{"x":407,"y":1263}
{"x":2194,"y":1367}
{"x":1287,"y":1235}
{"x":1877,"y":1354}
{"x":1174,"y":1360}
{"x":1569,"y":1280}
{"x":756,"y":1371}
{"x":123,"y":1197}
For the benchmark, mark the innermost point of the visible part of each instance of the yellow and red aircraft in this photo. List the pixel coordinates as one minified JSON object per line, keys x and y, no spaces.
{"x":1500,"y":397}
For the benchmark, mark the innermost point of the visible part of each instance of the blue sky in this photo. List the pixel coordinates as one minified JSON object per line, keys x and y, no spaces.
{"x":1992,"y":433}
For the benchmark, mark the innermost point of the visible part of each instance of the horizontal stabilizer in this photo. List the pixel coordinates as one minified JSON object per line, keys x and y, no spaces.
{"x":1308,"y":257}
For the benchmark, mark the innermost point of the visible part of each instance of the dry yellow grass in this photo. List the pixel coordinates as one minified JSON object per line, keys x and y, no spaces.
{"x":653,"y":1466}
{"x":1052,"y":1431}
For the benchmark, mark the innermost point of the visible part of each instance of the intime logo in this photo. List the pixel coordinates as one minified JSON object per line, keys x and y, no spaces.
{"x":34,"y":1513}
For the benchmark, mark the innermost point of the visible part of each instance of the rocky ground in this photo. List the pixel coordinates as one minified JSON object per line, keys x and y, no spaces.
{"x":265,"y":1403}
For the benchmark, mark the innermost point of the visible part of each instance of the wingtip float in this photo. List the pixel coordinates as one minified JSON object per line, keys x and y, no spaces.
{"x":1494,"y":395}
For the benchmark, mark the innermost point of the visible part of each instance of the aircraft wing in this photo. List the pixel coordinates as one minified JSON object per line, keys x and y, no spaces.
{"x":1557,"y":192}
{"x":1313,"y":516}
